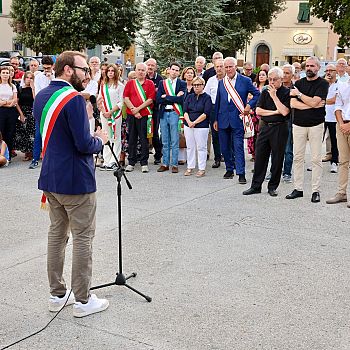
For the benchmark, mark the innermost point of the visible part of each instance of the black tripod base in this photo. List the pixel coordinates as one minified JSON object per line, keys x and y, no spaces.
{"x":121,"y":281}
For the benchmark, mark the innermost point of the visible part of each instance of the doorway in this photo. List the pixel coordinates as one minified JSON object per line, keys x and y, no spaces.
{"x":262,"y":55}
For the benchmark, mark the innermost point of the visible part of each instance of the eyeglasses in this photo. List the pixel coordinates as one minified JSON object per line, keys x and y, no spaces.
{"x":330,"y":70}
{"x":197,"y":85}
{"x":249,"y":69}
{"x":86,"y":70}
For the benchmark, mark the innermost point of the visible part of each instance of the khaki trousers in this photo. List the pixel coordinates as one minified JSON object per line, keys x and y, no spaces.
{"x":77,"y":214}
{"x":300,"y":137}
{"x":343,"y":142}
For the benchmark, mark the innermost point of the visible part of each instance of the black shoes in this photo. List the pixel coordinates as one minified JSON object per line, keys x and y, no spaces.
{"x":242,"y":180}
{"x":295,"y":194}
{"x":216,"y":164}
{"x":157,"y":161}
{"x":315,"y":198}
{"x":228,"y":175}
{"x":251,"y":190}
{"x":272,"y":193}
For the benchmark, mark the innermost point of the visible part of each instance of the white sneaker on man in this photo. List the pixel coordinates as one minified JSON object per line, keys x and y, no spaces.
{"x":334,"y":168}
{"x":129,"y":168}
{"x":56,"y":303}
{"x":144,"y":169}
{"x":93,"y":306}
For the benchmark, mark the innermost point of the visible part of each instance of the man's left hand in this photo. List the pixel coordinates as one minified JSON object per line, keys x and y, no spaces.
{"x":247,"y":109}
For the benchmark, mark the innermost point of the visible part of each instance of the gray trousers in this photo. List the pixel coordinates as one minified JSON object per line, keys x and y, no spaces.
{"x":74,"y":213}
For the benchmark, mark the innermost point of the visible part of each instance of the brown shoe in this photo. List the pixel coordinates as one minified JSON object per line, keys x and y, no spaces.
{"x":174,"y":169}
{"x":162,"y":168}
{"x":200,"y":173}
{"x":327,"y":158}
{"x":338,"y":198}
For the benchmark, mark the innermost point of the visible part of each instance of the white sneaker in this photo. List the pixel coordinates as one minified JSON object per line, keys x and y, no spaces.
{"x":334,"y":168}
{"x":129,"y":168}
{"x":144,"y":169}
{"x":56,"y":303}
{"x":91,"y":307}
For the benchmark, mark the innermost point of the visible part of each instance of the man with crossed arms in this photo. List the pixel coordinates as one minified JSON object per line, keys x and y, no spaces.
{"x":227,"y":117}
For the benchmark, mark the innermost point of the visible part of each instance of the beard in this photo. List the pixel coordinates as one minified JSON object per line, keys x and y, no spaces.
{"x":76,"y":82}
{"x":310,"y":74}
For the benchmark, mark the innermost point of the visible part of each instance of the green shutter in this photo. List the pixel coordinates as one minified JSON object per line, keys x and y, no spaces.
{"x":0,"y":6}
{"x":304,"y":12}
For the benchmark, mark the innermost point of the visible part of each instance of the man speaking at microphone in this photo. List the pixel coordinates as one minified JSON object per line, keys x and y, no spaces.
{"x":67,"y":179}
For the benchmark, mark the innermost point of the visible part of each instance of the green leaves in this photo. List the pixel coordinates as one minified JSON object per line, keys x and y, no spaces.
{"x":61,"y":25}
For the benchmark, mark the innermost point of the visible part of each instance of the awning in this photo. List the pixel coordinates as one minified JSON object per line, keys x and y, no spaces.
{"x":298,"y":50}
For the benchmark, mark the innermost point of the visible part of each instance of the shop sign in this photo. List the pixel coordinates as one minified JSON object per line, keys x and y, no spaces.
{"x":302,"y":38}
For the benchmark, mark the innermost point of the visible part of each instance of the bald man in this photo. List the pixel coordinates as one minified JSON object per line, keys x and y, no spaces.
{"x":139,"y":94}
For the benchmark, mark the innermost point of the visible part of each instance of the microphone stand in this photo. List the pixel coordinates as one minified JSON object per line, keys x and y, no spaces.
{"x":121,"y":278}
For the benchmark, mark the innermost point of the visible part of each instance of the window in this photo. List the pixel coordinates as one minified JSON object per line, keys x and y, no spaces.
{"x":304,"y":12}
{"x":0,"y":7}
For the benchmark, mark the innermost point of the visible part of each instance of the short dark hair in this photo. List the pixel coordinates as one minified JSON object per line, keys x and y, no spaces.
{"x":47,"y":60}
{"x":66,"y":58}
{"x":174,"y":64}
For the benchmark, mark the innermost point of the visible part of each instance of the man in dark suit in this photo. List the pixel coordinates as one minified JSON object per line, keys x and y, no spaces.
{"x":68,"y":180}
{"x":211,"y":71}
{"x":230,"y":104}
{"x":170,"y":98}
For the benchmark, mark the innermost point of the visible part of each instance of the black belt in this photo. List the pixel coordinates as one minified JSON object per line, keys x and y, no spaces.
{"x":273,"y":123}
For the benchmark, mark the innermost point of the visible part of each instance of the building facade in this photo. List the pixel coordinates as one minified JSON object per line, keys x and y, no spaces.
{"x":294,"y":35}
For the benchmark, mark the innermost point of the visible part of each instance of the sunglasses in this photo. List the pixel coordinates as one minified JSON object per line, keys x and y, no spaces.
{"x":197,"y":85}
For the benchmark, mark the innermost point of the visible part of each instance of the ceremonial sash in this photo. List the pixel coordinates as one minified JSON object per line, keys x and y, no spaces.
{"x":236,"y":99}
{"x":107,"y":103}
{"x":143,"y":98}
{"x":49,"y":116}
{"x":168,"y":88}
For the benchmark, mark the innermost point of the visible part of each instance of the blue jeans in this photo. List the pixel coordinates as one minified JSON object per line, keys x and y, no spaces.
{"x":37,"y":143}
{"x":169,"y":122}
{"x":288,"y":153}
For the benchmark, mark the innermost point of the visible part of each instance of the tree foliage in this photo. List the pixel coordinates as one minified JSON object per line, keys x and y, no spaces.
{"x":183,"y":28}
{"x":52,"y":26}
{"x":337,"y":12}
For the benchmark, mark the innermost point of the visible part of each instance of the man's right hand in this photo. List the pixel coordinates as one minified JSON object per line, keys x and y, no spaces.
{"x":101,"y":134}
{"x":215,"y":126}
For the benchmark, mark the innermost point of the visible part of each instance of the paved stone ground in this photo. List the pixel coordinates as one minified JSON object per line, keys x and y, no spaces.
{"x":225,"y":271}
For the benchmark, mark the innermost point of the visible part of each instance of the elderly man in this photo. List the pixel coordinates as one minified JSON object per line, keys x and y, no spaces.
{"x":199,"y":65}
{"x":341,"y":67}
{"x":230,"y":106}
{"x":139,"y":95}
{"x":212,"y":71}
{"x":297,"y":67}
{"x":248,"y":71}
{"x":211,"y":88}
{"x":308,"y":100}
{"x":152,"y":74}
{"x":288,"y":72}
{"x":94,"y":64}
{"x":273,"y":107}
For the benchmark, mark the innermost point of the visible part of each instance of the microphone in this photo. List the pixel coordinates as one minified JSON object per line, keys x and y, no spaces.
{"x":92,"y":99}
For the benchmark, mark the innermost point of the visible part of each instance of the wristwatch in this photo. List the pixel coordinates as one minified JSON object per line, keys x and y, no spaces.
{"x":299,"y":95}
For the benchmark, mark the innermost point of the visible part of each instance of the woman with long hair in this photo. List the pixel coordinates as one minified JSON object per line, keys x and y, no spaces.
{"x":8,"y":102}
{"x":110,"y":103}
{"x":261,"y":80}
{"x":26,"y":129}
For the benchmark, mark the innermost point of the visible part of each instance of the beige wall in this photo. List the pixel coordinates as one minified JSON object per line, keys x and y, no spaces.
{"x":280,"y":36}
{"x":7,"y":35}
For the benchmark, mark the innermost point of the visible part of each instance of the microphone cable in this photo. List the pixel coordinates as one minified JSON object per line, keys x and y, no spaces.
{"x":40,"y":330}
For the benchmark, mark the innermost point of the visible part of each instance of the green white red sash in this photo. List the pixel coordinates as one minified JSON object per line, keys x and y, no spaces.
{"x":143,"y":98}
{"x":168,"y":88}
{"x":49,"y":116}
{"x":236,"y":99}
{"x":107,"y":103}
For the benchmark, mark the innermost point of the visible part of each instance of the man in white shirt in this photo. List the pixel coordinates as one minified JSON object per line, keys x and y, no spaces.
{"x":342,"y":114}
{"x":94,"y":64}
{"x":211,"y":88}
{"x":341,"y":67}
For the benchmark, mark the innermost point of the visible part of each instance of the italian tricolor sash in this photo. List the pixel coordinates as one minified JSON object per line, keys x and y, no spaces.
{"x":107,"y":103}
{"x":49,"y":117}
{"x":236,"y":99}
{"x":143,"y":98}
{"x":168,"y":88}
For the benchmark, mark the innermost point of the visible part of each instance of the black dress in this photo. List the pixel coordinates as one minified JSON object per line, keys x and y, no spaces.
{"x":25,"y":131}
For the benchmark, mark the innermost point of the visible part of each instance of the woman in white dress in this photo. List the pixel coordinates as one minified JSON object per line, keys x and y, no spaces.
{"x":110,"y":102}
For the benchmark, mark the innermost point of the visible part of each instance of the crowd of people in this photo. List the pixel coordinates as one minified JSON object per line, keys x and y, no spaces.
{"x":182,"y":114}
